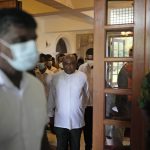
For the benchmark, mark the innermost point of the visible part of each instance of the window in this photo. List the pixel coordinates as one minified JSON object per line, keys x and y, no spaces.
{"x":121,"y":15}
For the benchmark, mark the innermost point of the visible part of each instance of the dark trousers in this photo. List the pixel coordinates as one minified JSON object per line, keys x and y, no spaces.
{"x":87,"y":130}
{"x":45,"y":143}
{"x":65,"y":136}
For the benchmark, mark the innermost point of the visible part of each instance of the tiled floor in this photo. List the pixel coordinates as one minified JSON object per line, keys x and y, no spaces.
{"x":53,"y":142}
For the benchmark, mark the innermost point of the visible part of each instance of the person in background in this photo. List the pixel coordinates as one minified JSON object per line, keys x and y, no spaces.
{"x":54,"y":62}
{"x":40,"y":66}
{"x":87,"y":68}
{"x":66,"y":104}
{"x":124,"y":81}
{"x":59,"y":59}
{"x":125,"y":74}
{"x":49,"y":64}
{"x":40,"y":71}
{"x":80,"y":61}
{"x":43,"y":73}
{"x":122,"y":106}
{"x":22,"y":98}
{"x":42,"y":57}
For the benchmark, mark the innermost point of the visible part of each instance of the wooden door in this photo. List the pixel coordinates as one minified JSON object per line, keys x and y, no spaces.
{"x":9,"y":4}
{"x":135,"y":25}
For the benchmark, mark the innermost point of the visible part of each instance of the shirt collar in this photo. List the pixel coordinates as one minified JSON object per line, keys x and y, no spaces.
{"x":90,"y":63}
{"x":69,"y":75}
{"x":5,"y":81}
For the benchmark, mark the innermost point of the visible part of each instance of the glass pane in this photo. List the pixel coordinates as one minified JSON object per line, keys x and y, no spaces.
{"x":118,"y":75}
{"x":119,"y":44}
{"x":118,"y":106}
{"x":117,"y":137}
{"x":120,"y":12}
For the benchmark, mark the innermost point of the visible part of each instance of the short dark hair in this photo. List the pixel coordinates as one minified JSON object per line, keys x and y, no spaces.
{"x":59,"y":55}
{"x":42,"y":57}
{"x":13,"y":16}
{"x":48,"y":57}
{"x":89,"y":51}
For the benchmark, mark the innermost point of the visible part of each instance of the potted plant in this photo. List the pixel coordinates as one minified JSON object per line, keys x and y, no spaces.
{"x":145,"y":95}
{"x":144,"y":103}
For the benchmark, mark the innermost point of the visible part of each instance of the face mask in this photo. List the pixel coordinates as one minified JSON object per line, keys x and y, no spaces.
{"x":25,"y":55}
{"x":49,"y":63}
{"x":90,"y":62}
{"x":61,"y":65}
{"x":41,"y":66}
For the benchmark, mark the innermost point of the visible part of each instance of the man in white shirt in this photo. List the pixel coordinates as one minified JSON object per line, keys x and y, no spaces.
{"x":22,"y":98}
{"x":42,"y":74}
{"x":67,"y":102}
{"x":87,"y":68}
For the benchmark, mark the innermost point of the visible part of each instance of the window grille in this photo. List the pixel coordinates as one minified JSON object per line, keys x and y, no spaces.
{"x":121,"y":15}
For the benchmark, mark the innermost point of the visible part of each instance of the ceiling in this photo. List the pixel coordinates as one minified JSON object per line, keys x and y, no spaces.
{"x":67,"y":15}
{"x":82,"y":9}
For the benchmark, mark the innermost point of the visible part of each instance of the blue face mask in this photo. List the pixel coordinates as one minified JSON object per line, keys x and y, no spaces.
{"x":41,"y":66}
{"x":25,"y":55}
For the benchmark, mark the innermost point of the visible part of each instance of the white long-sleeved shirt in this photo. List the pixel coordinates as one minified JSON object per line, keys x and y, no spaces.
{"x":45,"y":78}
{"x":87,"y":68}
{"x":68,"y":96}
{"x":22,"y":113}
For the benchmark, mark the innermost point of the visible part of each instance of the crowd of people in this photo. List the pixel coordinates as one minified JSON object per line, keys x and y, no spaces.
{"x":59,"y":79}
{"x":27,"y":85}
{"x":22,"y":98}
{"x":63,"y":86}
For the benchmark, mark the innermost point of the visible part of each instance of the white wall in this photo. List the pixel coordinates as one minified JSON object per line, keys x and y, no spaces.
{"x":52,"y":39}
{"x":57,"y":23}
{"x":47,"y":32}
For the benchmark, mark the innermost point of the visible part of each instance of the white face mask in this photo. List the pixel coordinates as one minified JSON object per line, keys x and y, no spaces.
{"x":61,"y":65}
{"x":25,"y":55}
{"x":90,"y":62}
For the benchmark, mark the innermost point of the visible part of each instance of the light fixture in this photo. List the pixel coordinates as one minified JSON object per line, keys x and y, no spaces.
{"x":126,"y":33}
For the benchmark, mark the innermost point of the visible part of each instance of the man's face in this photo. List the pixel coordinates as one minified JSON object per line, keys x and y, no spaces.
{"x":15,"y":34}
{"x":69,"y":64}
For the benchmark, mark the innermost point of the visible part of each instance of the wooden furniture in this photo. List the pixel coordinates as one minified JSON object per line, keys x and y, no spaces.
{"x":10,"y":4}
